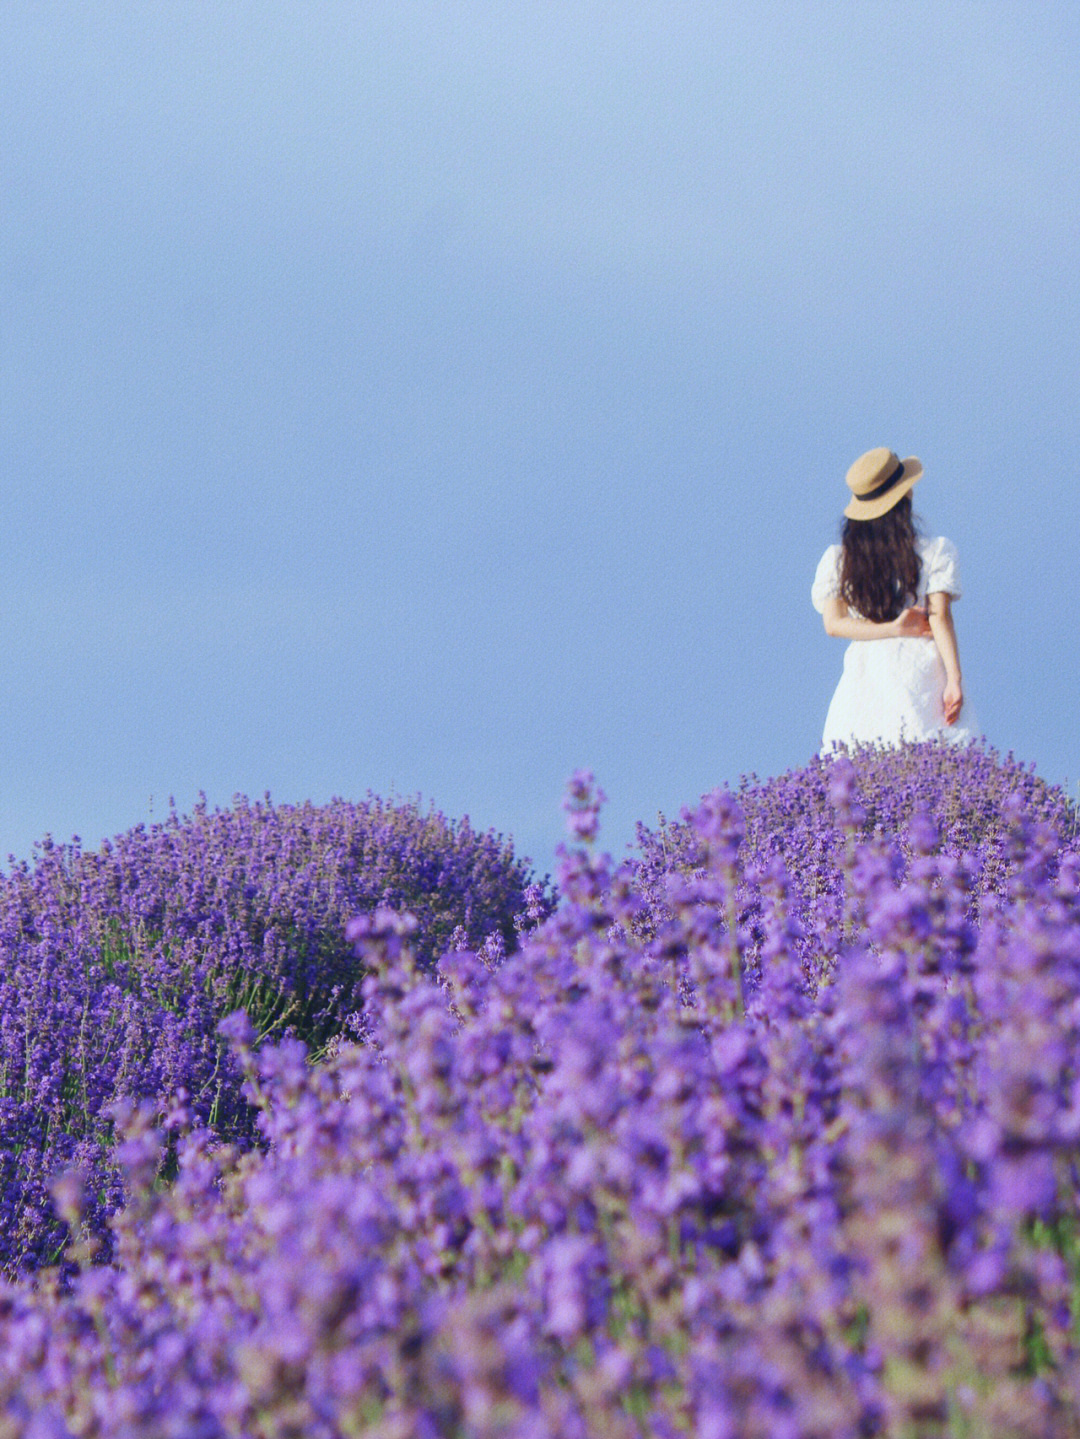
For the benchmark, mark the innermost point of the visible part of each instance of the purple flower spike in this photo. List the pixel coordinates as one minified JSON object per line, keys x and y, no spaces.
{"x":583,"y":802}
{"x":720,"y":825}
{"x":237,"y":1029}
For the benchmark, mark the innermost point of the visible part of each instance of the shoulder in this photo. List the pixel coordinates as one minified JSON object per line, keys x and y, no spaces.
{"x":941,"y":565}
{"x":826,"y":584}
{"x":931,"y":547}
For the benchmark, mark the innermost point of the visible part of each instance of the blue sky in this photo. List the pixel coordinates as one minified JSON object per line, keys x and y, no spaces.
{"x":438,"y":399}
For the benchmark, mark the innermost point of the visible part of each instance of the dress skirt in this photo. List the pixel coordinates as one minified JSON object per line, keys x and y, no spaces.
{"x":891,"y":691}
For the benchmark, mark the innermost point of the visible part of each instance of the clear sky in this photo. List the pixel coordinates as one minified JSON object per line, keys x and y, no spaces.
{"x":439,"y":398}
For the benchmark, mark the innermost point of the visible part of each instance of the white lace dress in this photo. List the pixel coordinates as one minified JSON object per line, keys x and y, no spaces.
{"x":891,"y":690}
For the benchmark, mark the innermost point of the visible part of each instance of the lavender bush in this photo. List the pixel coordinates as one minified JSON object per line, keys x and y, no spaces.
{"x":809,"y":819}
{"x":116,"y":967}
{"x":678,"y":1171}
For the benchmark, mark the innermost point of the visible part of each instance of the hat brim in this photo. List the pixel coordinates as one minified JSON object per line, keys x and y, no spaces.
{"x":858,"y":509}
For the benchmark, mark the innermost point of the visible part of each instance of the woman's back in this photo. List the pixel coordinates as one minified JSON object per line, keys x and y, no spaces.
{"x":939,"y":571}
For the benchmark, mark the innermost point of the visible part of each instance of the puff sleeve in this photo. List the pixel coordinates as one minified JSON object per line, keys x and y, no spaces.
{"x":826,"y":584}
{"x":943,"y":569}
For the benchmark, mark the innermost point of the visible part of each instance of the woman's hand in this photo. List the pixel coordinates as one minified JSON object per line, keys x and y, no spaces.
{"x":953,"y":700}
{"x":911,"y":625}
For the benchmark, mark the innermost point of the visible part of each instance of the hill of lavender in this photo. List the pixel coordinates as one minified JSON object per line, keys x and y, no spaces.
{"x":771,"y":1130}
{"x":117,"y":966}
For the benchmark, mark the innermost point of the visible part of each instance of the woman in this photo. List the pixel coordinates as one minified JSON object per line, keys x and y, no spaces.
{"x":890,"y":591}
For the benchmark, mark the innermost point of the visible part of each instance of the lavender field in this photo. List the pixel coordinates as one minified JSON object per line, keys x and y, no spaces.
{"x":335,"y":1122}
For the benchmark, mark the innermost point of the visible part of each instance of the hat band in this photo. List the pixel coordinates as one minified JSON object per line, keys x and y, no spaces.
{"x":885,"y":486}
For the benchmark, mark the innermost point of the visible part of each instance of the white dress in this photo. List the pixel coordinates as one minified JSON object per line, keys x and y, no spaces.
{"x":891,"y":690}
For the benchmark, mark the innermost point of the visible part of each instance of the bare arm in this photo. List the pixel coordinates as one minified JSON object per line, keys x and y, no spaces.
{"x":944,"y":632}
{"x":839,"y":621}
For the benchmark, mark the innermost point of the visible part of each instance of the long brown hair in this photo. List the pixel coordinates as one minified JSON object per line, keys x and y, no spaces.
{"x":880,"y":566}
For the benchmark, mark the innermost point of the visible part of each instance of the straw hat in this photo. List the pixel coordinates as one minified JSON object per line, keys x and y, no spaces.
{"x":877,"y":480}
